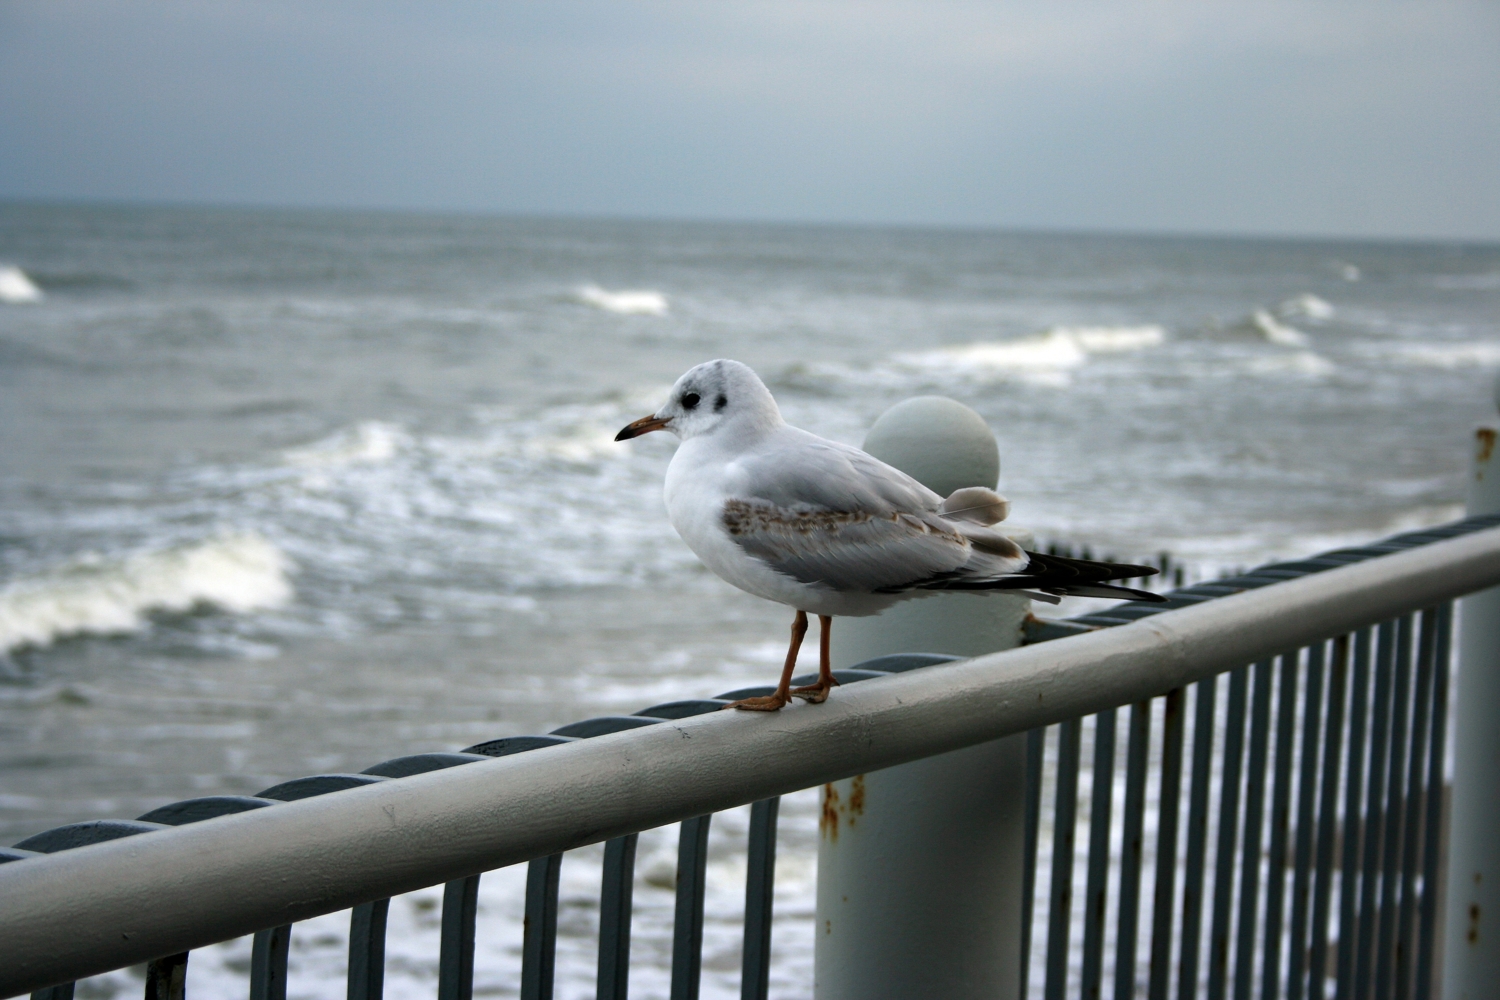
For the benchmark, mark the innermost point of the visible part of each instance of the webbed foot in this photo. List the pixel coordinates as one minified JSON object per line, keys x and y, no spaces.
{"x":815,"y":694}
{"x":767,"y":703}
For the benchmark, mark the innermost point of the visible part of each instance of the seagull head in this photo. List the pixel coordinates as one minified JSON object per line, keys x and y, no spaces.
{"x":713,"y":397}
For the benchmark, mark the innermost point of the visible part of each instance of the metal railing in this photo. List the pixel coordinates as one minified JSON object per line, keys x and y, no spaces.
{"x":1322,"y":813}
{"x":1313,"y":833}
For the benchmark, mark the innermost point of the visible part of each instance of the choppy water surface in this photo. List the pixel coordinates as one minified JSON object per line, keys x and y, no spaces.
{"x":295,"y":492}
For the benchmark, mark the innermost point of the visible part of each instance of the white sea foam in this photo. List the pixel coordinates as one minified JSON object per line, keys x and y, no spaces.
{"x":1484,"y":354}
{"x":17,"y":289}
{"x":1350,"y":272}
{"x":524,"y":497}
{"x":576,"y":444}
{"x":1050,"y":353}
{"x":1107,"y":339}
{"x":1306,"y":306}
{"x":629,"y":302}
{"x":96,"y":595}
{"x":368,"y":442}
{"x":1275,"y":332}
{"x":578,"y":432}
{"x":1305,"y":364}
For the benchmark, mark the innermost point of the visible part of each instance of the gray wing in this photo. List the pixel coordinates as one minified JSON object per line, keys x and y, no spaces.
{"x":801,"y":468}
{"x":824,"y":513}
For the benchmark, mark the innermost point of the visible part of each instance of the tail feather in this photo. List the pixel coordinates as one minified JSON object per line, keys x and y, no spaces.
{"x":1086,"y":569}
{"x":1118,"y":593}
{"x":1064,"y":577}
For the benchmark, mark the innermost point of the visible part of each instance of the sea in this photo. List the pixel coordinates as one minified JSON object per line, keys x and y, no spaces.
{"x":288,"y":491}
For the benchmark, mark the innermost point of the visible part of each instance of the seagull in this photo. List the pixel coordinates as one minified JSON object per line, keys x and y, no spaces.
{"x":828,"y":529}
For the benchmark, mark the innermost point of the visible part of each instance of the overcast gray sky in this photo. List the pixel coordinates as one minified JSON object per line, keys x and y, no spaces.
{"x":1325,"y":118}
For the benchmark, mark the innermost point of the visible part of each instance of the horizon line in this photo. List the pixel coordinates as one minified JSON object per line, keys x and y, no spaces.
{"x":1015,"y":229}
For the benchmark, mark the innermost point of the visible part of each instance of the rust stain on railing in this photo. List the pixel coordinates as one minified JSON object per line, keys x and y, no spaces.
{"x":834,"y":808}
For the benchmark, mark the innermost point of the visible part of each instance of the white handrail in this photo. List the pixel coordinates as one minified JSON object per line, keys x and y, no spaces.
{"x":91,"y":909}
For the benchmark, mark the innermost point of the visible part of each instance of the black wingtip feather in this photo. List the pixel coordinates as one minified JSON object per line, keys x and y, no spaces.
{"x":1065,"y":577}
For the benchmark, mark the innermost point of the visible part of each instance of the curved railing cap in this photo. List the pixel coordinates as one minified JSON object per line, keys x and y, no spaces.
{"x":507,"y":745}
{"x":685,"y":709}
{"x":94,"y":831}
{"x":206,"y":807}
{"x":603,"y":725}
{"x":316,"y":784}
{"x":421,"y":763}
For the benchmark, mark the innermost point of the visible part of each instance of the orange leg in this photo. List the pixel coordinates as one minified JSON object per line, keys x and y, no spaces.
{"x":816,"y":694}
{"x":773,"y":702}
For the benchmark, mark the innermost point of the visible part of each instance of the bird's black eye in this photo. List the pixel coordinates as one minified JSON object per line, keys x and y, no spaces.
{"x":721,"y":402}
{"x":690,"y":401}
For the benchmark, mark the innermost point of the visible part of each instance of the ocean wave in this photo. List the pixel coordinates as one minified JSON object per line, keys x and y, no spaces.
{"x":520,"y":498}
{"x":572,"y":433}
{"x":1467,"y":282}
{"x":364,"y":443}
{"x":1267,"y":327}
{"x":579,"y":443}
{"x":1485,"y":354}
{"x":103,"y":596}
{"x":17,"y":289}
{"x":628,"y":302}
{"x":84,"y":281}
{"x":15,"y":355}
{"x":1058,"y":349}
{"x":1306,"y":306}
{"x":1305,"y":364}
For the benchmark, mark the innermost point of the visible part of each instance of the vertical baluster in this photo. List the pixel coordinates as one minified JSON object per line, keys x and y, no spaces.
{"x":1281,"y":800}
{"x":166,"y":978}
{"x":1380,"y":733}
{"x":456,"y":951}
{"x":1354,"y":785}
{"x":760,"y":891}
{"x":539,"y":946}
{"x":268,"y":955}
{"x":1307,"y":797}
{"x":1060,"y":912}
{"x":616,"y":893}
{"x":1036,"y":744}
{"x":1433,"y":832}
{"x":687,"y":932}
{"x":366,"y":980}
{"x":1395,"y":812}
{"x":1130,"y":849}
{"x":1164,"y":898}
{"x":1255,"y":804}
{"x":1411,"y":836}
{"x":1096,"y":893}
{"x":1317,"y":952}
{"x":1197,"y":837}
{"x":1229,"y":815}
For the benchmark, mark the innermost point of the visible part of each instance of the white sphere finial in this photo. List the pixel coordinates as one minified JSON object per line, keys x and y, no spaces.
{"x":937,"y":441}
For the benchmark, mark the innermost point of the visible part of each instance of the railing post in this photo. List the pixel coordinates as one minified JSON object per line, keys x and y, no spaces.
{"x":1471,"y":938}
{"x":920,"y":867}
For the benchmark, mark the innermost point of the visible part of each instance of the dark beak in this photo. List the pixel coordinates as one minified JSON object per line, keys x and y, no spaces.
{"x":645,"y":425}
